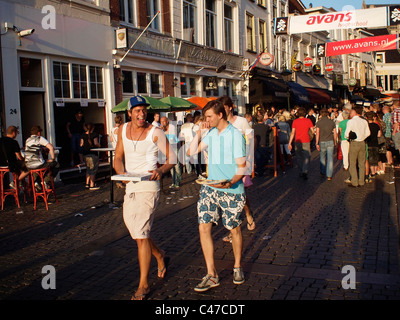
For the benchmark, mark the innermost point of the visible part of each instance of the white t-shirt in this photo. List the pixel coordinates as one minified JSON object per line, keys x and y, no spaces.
{"x":33,"y":151}
{"x":187,"y":132}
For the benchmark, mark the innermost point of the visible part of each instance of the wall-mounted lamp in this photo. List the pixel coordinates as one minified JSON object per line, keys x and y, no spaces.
{"x":175,"y":82}
{"x":244,"y":87}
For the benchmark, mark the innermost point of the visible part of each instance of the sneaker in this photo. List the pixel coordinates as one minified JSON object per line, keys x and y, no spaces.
{"x":95,"y":187}
{"x":207,"y":283}
{"x":172,"y":186}
{"x":12,"y":185}
{"x":347,"y":180}
{"x":238,"y":276}
{"x":201,"y":177}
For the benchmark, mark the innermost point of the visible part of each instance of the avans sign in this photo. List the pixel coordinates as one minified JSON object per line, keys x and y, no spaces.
{"x":363,"y":18}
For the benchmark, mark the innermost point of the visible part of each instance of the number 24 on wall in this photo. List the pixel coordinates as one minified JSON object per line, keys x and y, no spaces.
{"x":13,"y":111}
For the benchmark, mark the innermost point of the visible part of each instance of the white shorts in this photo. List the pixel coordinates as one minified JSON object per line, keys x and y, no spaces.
{"x":138,"y":213}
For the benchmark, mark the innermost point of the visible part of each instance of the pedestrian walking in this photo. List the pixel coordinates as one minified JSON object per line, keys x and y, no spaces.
{"x":284,"y":132}
{"x":137,"y":153}
{"x":172,"y":135}
{"x":186,"y":135}
{"x":301,"y":136}
{"x":326,"y":140}
{"x":344,"y":143}
{"x":357,"y":131}
{"x":226,"y":160}
{"x":372,"y":143}
{"x":243,"y":126}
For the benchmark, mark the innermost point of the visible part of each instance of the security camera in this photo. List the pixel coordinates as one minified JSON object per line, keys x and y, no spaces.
{"x":27,"y":32}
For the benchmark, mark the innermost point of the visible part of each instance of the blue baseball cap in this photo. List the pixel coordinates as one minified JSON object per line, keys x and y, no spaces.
{"x":137,"y":101}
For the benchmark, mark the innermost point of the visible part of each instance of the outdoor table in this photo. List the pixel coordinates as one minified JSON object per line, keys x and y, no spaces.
{"x":110,"y":150}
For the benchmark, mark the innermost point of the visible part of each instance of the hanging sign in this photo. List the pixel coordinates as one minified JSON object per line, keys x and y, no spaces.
{"x":308,"y":62}
{"x":379,"y":43}
{"x":121,"y":38}
{"x":362,"y":18}
{"x":266,"y":58}
{"x":298,"y":66}
{"x":352,"y":82}
{"x":316,"y":69}
{"x":59,"y":102}
{"x":329,"y":67}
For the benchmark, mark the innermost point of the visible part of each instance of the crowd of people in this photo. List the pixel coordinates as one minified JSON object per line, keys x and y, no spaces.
{"x":223,"y":150}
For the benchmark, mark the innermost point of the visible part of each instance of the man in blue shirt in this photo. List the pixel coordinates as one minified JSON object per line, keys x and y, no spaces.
{"x":226,"y":148}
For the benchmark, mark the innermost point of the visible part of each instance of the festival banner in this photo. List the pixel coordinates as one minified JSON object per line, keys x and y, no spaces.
{"x":362,"y":18}
{"x":379,"y":43}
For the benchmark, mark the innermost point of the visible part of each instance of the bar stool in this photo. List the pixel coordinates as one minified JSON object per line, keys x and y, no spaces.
{"x":44,"y":193}
{"x":5,"y":191}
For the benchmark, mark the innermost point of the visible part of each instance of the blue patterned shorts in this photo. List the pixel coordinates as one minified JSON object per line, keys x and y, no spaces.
{"x":213,"y":202}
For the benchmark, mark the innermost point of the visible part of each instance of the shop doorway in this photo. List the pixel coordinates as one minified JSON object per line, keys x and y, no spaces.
{"x":92,"y":113}
{"x":32,"y":113}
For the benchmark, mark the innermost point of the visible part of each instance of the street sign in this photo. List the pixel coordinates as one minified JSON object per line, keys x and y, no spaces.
{"x":308,"y":62}
{"x":329,"y":67}
{"x":298,"y":66}
{"x":266,"y":58}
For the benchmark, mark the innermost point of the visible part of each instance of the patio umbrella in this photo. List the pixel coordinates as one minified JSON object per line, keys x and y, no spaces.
{"x":155,"y":105}
{"x":200,"y":101}
{"x":178,"y":104}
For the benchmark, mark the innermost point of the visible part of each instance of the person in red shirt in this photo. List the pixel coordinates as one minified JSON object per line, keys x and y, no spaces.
{"x":300,"y":134}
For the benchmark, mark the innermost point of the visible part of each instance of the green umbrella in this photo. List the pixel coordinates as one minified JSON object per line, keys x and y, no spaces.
{"x":155,"y":105}
{"x":178,"y":104}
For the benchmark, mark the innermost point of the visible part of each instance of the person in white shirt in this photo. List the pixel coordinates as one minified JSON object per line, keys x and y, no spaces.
{"x":137,"y":153}
{"x":357,"y":130}
{"x":156,"y":121}
{"x":34,"y":158}
{"x":114,"y":132}
{"x":186,"y":135}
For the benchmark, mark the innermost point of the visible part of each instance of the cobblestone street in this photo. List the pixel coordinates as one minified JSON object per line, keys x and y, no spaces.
{"x":306,"y":231}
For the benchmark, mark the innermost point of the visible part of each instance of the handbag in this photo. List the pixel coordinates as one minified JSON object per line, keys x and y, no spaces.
{"x":339,"y":152}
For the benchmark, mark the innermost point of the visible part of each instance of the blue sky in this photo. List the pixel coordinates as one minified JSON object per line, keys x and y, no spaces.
{"x":339,"y":4}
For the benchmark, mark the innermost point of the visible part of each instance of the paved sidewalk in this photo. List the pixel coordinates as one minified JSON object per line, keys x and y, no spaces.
{"x":306,"y":232}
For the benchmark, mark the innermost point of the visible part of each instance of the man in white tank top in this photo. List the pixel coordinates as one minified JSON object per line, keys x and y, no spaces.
{"x":136,"y":153}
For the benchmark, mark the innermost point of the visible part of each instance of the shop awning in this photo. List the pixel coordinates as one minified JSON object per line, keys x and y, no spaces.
{"x":371,"y":93}
{"x":268,"y":90}
{"x":299,"y":94}
{"x":318,"y":96}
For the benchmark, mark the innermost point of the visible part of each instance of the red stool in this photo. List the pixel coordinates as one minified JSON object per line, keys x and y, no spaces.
{"x":8,"y":191}
{"x":44,"y":193}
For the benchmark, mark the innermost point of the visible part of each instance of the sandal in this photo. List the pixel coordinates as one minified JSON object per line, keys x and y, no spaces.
{"x":162,"y":272}
{"x":251,"y":226}
{"x":140,"y":296}
{"x":227,"y":238}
